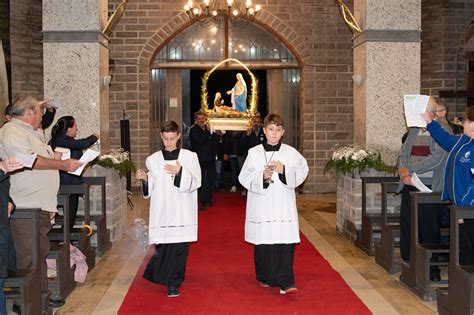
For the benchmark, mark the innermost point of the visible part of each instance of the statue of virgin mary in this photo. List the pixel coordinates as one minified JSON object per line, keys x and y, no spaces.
{"x":239,"y":94}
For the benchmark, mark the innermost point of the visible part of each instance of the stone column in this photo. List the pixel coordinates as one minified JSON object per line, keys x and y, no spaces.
{"x":76,"y":62}
{"x":386,"y":66}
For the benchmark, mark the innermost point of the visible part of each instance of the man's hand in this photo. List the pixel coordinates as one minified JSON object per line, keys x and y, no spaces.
{"x":70,"y":165}
{"x":11,"y":206}
{"x":407,"y":180}
{"x":10,"y":164}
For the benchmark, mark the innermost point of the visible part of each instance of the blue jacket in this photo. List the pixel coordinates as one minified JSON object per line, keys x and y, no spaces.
{"x":458,"y":180}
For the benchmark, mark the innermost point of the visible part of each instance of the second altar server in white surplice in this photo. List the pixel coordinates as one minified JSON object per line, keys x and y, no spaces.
{"x":172,"y":181}
{"x":271,"y":173}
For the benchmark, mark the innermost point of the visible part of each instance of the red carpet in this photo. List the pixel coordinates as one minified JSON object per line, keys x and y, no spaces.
{"x":220,"y":276}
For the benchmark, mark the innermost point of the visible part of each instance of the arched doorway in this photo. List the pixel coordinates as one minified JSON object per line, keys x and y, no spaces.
{"x":177,"y":66}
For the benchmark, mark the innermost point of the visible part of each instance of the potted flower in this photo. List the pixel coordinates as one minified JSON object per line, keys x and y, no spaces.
{"x":346,"y":159}
{"x":117,"y":159}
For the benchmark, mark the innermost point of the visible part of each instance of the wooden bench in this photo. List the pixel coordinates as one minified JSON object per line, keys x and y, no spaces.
{"x":458,"y":298}
{"x":416,"y":274}
{"x":25,"y":285}
{"x":79,"y":236}
{"x":369,"y":233}
{"x":103,"y":234}
{"x":63,"y":284}
{"x":389,"y":233}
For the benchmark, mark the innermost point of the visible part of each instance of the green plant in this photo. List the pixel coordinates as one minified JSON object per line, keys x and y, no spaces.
{"x":348,"y":158}
{"x":117,"y":159}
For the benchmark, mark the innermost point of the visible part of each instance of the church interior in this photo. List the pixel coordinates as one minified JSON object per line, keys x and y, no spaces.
{"x":337,"y":71}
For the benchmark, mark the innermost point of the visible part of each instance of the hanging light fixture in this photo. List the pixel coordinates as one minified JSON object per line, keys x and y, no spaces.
{"x":210,"y":9}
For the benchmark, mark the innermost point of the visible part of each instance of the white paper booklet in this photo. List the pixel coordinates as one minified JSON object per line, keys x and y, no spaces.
{"x":87,"y":157}
{"x":419,"y":184}
{"x":65,"y":152}
{"x":27,"y":159}
{"x":415,"y":106}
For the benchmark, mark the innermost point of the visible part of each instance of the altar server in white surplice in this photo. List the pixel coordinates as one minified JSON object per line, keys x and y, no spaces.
{"x":271,"y":173}
{"x":172,"y":181}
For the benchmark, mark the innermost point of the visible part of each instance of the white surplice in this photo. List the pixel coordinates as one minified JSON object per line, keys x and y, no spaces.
{"x":173,"y":210}
{"x":271,"y":216}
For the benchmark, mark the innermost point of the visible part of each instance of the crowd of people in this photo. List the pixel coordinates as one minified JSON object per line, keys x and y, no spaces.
{"x":33,"y":187}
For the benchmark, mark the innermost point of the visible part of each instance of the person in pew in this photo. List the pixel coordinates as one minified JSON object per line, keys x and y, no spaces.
{"x":172,"y":181}
{"x":32,"y":188}
{"x":7,"y":250}
{"x":270,"y":174}
{"x":458,"y":179}
{"x":63,"y":135}
{"x":421,"y":155}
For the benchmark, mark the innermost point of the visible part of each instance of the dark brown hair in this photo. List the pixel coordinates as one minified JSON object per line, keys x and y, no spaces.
{"x":273,"y":119}
{"x":469,"y":113}
{"x":170,"y":126}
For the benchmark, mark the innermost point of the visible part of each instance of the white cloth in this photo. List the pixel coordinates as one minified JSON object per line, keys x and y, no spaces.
{"x":173,"y":210}
{"x":272,"y":217}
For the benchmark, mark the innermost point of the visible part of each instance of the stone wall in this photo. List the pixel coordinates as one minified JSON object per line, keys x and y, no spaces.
{"x":443,"y":25}
{"x":26,"y":48}
{"x":116,"y":196}
{"x":349,"y":201}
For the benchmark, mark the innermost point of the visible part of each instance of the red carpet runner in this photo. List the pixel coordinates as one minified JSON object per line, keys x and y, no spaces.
{"x":220,"y":276}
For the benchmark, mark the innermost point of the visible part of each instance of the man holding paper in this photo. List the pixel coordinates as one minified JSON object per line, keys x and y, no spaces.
{"x":421,"y":158}
{"x":34,"y":187}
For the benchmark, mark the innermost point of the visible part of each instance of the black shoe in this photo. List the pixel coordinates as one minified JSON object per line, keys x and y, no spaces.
{"x":435,"y":274}
{"x":173,"y":291}
{"x":56,"y":303}
{"x":16,"y":309}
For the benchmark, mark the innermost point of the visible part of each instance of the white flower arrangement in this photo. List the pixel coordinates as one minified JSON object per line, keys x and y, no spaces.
{"x":118,"y":159}
{"x":347,"y":158}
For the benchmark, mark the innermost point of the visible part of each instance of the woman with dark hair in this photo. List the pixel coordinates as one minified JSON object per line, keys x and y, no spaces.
{"x":63,"y":135}
{"x":172,"y":181}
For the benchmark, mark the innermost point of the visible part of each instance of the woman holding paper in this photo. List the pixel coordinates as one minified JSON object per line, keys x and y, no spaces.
{"x":63,"y":136}
{"x":458,"y":179}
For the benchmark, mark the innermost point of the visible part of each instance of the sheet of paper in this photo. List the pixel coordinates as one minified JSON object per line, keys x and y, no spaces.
{"x":415,"y":106}
{"x":419,"y":184}
{"x":65,"y":153}
{"x":27,"y":159}
{"x":87,"y":157}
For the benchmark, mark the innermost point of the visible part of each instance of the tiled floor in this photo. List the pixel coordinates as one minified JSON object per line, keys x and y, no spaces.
{"x":382,"y":293}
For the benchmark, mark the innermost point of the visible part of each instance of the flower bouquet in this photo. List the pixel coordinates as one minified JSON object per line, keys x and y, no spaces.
{"x":345,"y":159}
{"x":117,"y":159}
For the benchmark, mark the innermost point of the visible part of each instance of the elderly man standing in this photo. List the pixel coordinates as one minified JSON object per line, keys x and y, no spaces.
{"x":36,"y":187}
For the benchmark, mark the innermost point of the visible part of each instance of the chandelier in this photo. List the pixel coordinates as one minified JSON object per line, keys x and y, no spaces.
{"x":210,"y":9}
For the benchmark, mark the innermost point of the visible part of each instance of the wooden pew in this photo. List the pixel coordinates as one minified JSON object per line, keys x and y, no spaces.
{"x":390,"y":233}
{"x":416,"y":274}
{"x":64,"y":283}
{"x":103,"y":234}
{"x":25,"y":285}
{"x":458,"y":298}
{"x":369,"y":233}
{"x":79,"y":236}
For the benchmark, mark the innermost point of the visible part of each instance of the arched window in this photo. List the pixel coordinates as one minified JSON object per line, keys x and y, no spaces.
{"x":245,"y":41}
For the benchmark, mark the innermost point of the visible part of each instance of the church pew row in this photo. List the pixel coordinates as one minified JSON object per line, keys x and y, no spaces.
{"x":369,"y":234}
{"x":458,"y":298}
{"x":25,"y":285}
{"x":63,"y":284}
{"x":390,"y":232}
{"x":416,"y":273}
{"x":100,"y":219}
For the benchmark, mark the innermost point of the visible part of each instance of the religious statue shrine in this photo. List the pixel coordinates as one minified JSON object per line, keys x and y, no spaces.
{"x":237,"y":116}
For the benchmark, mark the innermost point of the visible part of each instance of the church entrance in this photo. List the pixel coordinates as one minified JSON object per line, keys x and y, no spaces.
{"x":178,"y":66}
